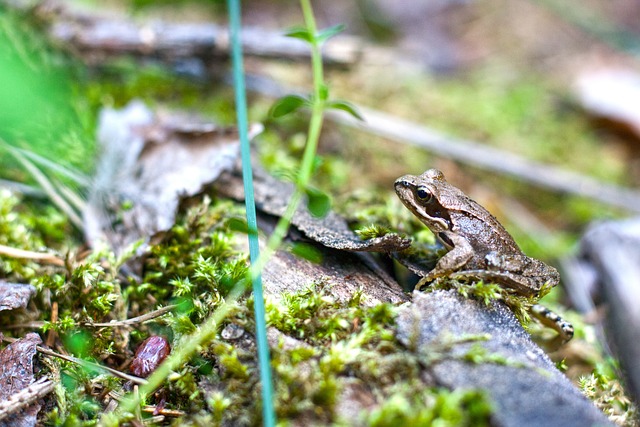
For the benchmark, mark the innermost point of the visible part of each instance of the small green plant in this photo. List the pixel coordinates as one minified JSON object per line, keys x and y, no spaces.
{"x":318,"y":202}
{"x":432,"y":407}
{"x":372,"y":231}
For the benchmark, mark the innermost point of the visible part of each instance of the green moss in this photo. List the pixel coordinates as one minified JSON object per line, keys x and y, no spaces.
{"x":488,"y":292}
{"x":197,"y":261}
{"x":87,"y":293}
{"x":431,"y":407}
{"x":367,"y":352}
{"x":372,"y":231}
{"x":604,"y":388}
{"x":31,"y":228}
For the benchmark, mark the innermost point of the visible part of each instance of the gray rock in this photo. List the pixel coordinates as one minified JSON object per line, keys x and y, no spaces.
{"x":608,"y":270}
{"x":526,"y":389}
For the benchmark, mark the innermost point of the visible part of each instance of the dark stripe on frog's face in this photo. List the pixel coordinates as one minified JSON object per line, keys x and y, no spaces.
{"x":422,"y":199}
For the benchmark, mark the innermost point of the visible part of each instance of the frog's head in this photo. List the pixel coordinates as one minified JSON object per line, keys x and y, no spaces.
{"x":426,"y":196}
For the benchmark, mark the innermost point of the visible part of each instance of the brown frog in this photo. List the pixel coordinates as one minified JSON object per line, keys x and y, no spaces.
{"x":478,"y":245}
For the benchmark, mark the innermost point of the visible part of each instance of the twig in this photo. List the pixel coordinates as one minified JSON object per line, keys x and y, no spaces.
{"x":27,"y":325}
{"x":84,"y":363}
{"x":473,"y":153}
{"x":26,"y":397}
{"x":470,"y":152}
{"x":99,"y":37}
{"x":93,"y":365}
{"x":36,"y":256}
{"x":132,"y":321}
{"x":166,"y":412}
{"x":114,"y":323}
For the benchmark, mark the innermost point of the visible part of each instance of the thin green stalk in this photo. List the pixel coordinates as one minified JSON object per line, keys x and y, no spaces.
{"x":47,"y":185}
{"x":317,"y":110}
{"x":311,"y":147}
{"x":264,"y":359}
{"x":209,"y":327}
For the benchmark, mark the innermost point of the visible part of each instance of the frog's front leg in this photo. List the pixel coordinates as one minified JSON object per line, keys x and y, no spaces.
{"x":459,"y":254}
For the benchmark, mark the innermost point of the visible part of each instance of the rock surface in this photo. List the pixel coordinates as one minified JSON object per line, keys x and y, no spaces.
{"x":525,"y":386}
{"x":344,"y":272}
{"x":608,"y":269}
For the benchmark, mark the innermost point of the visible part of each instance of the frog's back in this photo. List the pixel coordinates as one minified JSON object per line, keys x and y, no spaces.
{"x":484,"y":231}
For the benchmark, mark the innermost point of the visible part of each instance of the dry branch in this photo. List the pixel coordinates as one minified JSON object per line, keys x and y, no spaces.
{"x":26,"y":397}
{"x":97,"y":37}
{"x":35,"y":256}
{"x":386,"y":125}
{"x":495,"y":160}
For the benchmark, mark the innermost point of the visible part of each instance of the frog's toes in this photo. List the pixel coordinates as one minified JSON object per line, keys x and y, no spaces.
{"x":422,"y":283}
{"x":552,"y":320}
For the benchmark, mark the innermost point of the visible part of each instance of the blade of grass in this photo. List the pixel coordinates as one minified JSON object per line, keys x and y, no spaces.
{"x":264,"y":359}
{"x":79,"y":178}
{"x":46,"y":184}
{"x":73,"y":197}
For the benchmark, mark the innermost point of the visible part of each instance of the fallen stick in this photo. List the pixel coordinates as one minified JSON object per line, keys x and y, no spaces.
{"x":97,"y":37}
{"x":35,"y":256}
{"x":25,"y":398}
{"x":554,"y":178}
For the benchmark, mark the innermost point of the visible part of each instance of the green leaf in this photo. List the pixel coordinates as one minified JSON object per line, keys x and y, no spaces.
{"x":318,"y":203}
{"x":324,"y":92}
{"x":286,"y":105}
{"x":345,"y":106}
{"x":301,"y":33}
{"x":238,"y":224}
{"x":307,"y":251}
{"x":318,"y":161}
{"x":327,"y":33}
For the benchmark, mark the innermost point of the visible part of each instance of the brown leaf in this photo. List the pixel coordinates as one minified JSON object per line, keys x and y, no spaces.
{"x":149,"y":162}
{"x":15,"y":295}
{"x":16,"y":374}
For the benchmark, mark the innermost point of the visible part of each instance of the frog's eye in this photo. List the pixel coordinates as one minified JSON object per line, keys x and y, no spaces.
{"x":423,"y":194}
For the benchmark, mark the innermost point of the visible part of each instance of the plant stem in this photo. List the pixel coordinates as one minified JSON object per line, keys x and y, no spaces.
{"x":264,"y":359}
{"x":311,"y":147}
{"x":208,"y":329}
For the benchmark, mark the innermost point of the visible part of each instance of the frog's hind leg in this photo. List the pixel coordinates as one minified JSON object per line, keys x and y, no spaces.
{"x":553,"y":321}
{"x":504,"y":279}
